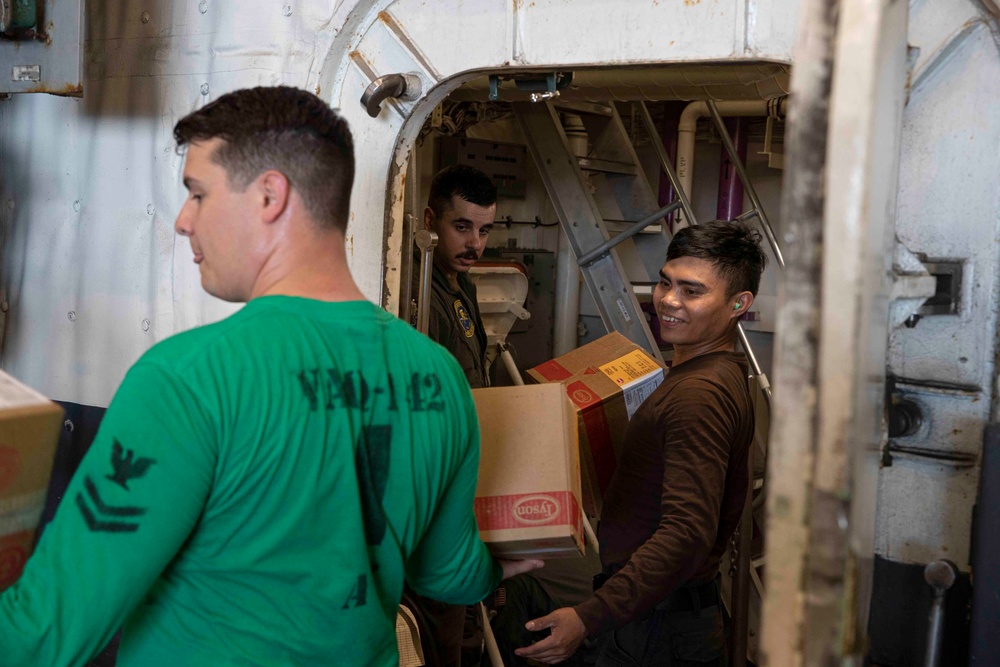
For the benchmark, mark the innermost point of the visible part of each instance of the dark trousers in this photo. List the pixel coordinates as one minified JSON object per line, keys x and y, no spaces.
{"x":444,"y":624}
{"x":525,"y":599}
{"x":683,"y":631}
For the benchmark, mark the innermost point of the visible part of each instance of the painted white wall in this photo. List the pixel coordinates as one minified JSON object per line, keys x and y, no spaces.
{"x":93,"y":274}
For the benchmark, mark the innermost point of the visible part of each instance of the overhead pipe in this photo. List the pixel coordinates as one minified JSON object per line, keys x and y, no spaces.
{"x":689,"y":124}
{"x":668,"y":138}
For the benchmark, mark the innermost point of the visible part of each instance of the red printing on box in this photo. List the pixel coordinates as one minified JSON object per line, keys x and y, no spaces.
{"x":595,"y":422}
{"x":553,"y":371}
{"x":528,"y":510}
{"x":13,"y":556}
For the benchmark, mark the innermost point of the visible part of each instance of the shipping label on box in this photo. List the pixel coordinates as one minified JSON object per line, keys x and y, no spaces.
{"x":29,"y":429}
{"x":637,"y":374}
{"x":606,"y":380}
{"x":528,"y":498}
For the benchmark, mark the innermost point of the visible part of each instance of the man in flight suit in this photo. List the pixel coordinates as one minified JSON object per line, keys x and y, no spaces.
{"x":461,"y":208}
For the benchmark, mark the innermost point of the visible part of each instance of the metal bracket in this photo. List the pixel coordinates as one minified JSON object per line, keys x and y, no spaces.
{"x":947,"y":295}
{"x":545,"y":88}
{"x":405,"y":87}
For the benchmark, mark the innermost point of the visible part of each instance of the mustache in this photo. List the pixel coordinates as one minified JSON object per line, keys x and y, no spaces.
{"x":469,"y":254}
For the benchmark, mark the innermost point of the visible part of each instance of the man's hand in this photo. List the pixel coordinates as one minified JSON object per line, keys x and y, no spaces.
{"x":513,"y":568}
{"x":568,"y":632}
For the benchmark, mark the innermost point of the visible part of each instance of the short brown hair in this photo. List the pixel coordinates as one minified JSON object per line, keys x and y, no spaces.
{"x":460,"y":181}
{"x":286,"y":129}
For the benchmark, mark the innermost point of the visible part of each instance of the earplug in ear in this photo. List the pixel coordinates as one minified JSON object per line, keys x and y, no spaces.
{"x":736,"y":307}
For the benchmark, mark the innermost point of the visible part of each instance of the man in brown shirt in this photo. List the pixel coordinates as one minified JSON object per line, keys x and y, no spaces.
{"x":677,"y":494}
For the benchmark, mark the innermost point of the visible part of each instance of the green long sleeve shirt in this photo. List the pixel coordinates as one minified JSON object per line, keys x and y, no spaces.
{"x":257,"y":493}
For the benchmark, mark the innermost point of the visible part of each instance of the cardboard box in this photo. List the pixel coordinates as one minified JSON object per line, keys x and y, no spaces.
{"x":29,"y":429}
{"x":606,"y":380}
{"x":528,"y":498}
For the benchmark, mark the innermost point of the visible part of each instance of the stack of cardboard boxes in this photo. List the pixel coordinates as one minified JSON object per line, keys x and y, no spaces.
{"x":550,"y":449}
{"x":606,"y":381}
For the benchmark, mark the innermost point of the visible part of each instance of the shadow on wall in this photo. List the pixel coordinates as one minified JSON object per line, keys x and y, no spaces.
{"x":131,"y":51}
{"x":117,"y":54}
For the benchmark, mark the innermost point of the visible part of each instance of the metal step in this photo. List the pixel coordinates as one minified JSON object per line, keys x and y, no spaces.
{"x":607,"y":166}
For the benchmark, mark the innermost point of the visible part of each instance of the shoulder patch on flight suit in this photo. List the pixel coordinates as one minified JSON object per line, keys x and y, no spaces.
{"x":463,"y":318}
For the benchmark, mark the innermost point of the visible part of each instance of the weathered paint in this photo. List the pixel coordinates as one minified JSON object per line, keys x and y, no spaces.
{"x":90,"y":187}
{"x":55,"y":48}
{"x":865,"y":125}
{"x":795,"y":408}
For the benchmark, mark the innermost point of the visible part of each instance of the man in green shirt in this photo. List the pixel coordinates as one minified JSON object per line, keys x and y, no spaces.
{"x":260,"y":488}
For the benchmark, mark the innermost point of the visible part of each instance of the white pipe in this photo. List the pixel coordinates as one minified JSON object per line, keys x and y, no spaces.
{"x":491,"y":641}
{"x":685,"y":138}
{"x":567,"y":306}
{"x":508,"y":362}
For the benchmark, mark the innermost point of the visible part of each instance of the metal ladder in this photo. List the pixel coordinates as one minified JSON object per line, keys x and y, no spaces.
{"x":581,"y":218}
{"x":624,"y":191}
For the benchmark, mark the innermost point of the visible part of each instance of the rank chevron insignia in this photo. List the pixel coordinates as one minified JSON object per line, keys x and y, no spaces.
{"x":104,"y":518}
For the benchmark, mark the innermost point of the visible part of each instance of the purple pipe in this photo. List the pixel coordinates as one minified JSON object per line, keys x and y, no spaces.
{"x":668,"y":134}
{"x":730,"y":186}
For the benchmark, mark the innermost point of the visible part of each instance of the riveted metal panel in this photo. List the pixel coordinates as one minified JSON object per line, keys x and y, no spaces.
{"x":949,"y":208}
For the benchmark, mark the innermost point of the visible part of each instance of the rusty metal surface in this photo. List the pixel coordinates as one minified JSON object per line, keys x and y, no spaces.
{"x":48,"y":58}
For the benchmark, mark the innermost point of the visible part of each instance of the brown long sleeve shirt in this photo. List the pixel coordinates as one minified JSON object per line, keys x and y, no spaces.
{"x":678,"y":492}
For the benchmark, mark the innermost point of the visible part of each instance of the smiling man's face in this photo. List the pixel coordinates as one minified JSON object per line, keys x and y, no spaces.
{"x":694,"y":307}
